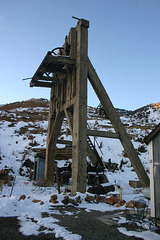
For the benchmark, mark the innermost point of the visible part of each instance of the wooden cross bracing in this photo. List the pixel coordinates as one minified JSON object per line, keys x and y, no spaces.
{"x":67,"y":75}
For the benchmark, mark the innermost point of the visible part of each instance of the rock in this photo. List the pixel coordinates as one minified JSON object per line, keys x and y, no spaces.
{"x":99,"y":189}
{"x":65,"y":200}
{"x":74,"y":202}
{"x":100,"y":198}
{"x":89,"y":198}
{"x":53,"y":201}
{"x":78,"y":199}
{"x":111,"y":201}
{"x":22,"y":197}
{"x":28,"y":163}
{"x":120,"y":203}
{"x":36,"y":201}
{"x":131,"y":204}
{"x":135,"y":184}
{"x":31,"y":137}
{"x":54,"y":197}
{"x":140,"y":204}
{"x":41,"y":203}
{"x":3,"y":196}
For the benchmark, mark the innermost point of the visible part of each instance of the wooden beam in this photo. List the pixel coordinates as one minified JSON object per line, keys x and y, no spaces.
{"x":118,"y":126}
{"x":79,"y":151}
{"x":51,"y":149}
{"x":55,"y":80}
{"x":102,"y":134}
{"x":62,"y":60}
{"x":52,"y":68}
{"x":69,"y":116}
{"x":67,"y":142}
{"x":41,"y":84}
{"x":68,"y":104}
{"x":90,"y":152}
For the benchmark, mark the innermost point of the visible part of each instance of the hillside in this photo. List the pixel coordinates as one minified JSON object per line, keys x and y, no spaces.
{"x":23,"y":127}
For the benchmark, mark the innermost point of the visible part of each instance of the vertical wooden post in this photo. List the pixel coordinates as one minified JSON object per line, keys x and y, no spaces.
{"x":79,"y":143}
{"x":54,"y":126}
{"x":51,"y":149}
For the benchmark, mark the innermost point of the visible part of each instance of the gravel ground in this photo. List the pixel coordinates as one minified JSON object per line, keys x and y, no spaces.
{"x":86,"y":224}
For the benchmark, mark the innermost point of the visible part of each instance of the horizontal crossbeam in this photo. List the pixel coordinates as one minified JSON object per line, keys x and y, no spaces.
{"x":102,"y":134}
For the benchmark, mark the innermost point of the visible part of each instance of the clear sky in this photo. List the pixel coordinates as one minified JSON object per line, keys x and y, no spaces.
{"x":124,"y":46}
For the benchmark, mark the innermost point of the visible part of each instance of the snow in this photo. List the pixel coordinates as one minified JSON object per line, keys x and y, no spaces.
{"x":15,"y":149}
{"x":30,"y":213}
{"x":147,"y":235}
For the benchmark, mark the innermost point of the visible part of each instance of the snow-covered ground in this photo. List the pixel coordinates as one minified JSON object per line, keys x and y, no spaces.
{"x":16,"y":147}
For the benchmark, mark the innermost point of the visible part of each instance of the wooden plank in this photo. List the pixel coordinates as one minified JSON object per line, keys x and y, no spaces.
{"x":67,"y":142}
{"x":40,"y":67}
{"x":61,"y":60}
{"x":69,"y":116}
{"x":118,"y":126}
{"x":102,"y":134}
{"x":73,"y":53}
{"x":91,"y":155}
{"x":41,"y":84}
{"x":56,"y":80}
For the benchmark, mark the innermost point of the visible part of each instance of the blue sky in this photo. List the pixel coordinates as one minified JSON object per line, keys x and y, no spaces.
{"x":124,"y":46}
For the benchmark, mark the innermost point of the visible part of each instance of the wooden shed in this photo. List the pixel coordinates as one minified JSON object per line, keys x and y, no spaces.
{"x":153,"y":141}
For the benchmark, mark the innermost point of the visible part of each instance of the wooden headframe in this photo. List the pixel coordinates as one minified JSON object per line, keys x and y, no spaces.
{"x":66,"y":74}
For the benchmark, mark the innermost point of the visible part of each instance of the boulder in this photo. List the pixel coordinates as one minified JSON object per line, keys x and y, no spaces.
{"x":54,"y":197}
{"x":120,"y":203}
{"x":22,"y":197}
{"x":111,"y":201}
{"x":131,"y":204}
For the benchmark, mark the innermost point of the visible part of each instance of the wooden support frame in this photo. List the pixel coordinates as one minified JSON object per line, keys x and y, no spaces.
{"x":67,"y":75}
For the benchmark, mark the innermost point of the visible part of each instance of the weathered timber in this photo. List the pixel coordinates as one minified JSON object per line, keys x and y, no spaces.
{"x":51,"y":64}
{"x":102,"y":134}
{"x":66,"y":75}
{"x":91,"y":155}
{"x":57,"y":178}
{"x":90,"y":151}
{"x":51,"y":149}
{"x":61,"y":60}
{"x":61,"y":153}
{"x":118,"y":126}
{"x":67,"y":142}
{"x":55,"y":80}
{"x":69,"y":116}
{"x":79,"y":151}
{"x":41,"y":84}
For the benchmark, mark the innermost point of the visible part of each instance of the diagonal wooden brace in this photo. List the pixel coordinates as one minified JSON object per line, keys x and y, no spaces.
{"x":118,"y":126}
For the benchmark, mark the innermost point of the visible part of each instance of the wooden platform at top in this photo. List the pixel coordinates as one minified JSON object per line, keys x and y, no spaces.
{"x":51,"y":64}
